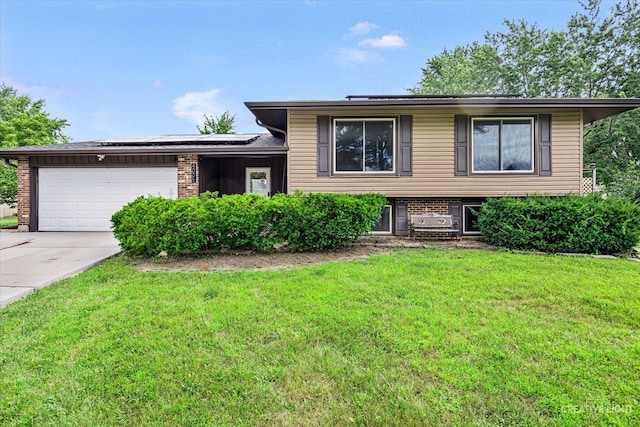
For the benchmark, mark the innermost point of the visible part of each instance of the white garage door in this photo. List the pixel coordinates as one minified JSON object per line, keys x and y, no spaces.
{"x":83,"y":199}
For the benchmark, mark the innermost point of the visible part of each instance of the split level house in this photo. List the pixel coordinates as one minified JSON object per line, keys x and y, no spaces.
{"x":425,"y":153}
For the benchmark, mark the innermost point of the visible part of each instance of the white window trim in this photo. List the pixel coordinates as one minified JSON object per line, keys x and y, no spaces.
{"x":368,"y":119}
{"x":464,"y":219}
{"x":390,"y":223}
{"x":501,"y":172}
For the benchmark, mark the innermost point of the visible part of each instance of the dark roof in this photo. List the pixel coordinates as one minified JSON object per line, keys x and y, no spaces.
{"x":274,"y":113}
{"x":411,"y":96}
{"x":208,"y":139}
{"x":236,"y":144}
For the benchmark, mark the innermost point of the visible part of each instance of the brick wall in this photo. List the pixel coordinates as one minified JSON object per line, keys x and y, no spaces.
{"x":187,"y":186}
{"x":24,"y":193}
{"x":418,"y":206}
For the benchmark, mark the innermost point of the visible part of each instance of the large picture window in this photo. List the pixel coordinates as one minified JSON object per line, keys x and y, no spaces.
{"x":364,"y":145}
{"x":502,"y":145}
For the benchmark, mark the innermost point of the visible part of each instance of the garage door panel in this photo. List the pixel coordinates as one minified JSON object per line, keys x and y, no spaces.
{"x":63,"y":222}
{"x":47,"y":197}
{"x":102,"y":223}
{"x":64,"y":191}
{"x":84,"y":199}
{"x":65,"y":206}
{"x":64,"y":175}
{"x":83,"y":208}
{"x":46,"y":223}
{"x":83,"y":223}
{"x":88,"y":191}
{"x":47,"y":206}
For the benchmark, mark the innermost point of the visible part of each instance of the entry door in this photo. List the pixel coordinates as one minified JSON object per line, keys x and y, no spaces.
{"x":258,"y":180}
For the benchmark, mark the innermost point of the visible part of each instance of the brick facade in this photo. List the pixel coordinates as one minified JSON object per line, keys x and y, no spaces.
{"x":24,"y":193}
{"x":418,"y":206}
{"x":188,"y":185}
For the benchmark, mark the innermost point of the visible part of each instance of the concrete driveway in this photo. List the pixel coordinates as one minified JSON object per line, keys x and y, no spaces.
{"x":30,"y":261}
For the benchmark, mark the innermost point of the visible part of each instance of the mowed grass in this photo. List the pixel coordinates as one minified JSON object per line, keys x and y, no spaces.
{"x":420,"y":337}
{"x":9,"y":221}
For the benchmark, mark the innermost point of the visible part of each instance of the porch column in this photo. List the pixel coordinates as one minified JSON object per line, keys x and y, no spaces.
{"x":24,"y":193}
{"x":188,"y":176}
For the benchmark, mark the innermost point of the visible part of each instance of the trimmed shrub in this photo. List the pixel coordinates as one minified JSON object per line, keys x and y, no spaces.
{"x":561,"y":224}
{"x":241,"y":221}
{"x":150,"y":225}
{"x":319,"y":220}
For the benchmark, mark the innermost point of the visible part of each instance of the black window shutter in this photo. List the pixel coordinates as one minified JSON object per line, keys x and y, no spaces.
{"x":461,"y":145}
{"x":545,"y":144}
{"x":324,"y":153}
{"x":455,"y":210}
{"x":406,"y":137}
{"x":402,"y":219}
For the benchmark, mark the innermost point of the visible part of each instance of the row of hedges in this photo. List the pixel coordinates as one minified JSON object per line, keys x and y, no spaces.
{"x":562,"y":224}
{"x":150,"y":225}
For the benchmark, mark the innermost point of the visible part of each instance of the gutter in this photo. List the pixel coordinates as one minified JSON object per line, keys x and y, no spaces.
{"x":387,"y":101}
{"x":229,"y":150}
{"x":271,"y":128}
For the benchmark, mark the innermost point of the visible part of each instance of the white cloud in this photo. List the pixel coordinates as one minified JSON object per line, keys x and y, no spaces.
{"x":158,"y":84}
{"x":390,"y":41}
{"x":349,"y":56}
{"x":193,"y":105}
{"x":362,"y":28}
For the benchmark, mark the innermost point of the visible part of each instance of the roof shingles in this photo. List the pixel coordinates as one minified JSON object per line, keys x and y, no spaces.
{"x":167,"y":144}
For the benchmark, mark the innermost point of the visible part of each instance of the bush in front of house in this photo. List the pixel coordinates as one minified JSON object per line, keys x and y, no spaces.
{"x":240,"y":221}
{"x":319,"y":221}
{"x":570,"y":223}
{"x":150,"y":225}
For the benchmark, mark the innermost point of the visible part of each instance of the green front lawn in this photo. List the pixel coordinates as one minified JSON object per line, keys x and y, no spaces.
{"x":9,"y":221}
{"x":422,"y":337}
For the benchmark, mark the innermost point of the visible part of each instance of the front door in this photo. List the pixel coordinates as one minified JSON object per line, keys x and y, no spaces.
{"x":258,"y":180}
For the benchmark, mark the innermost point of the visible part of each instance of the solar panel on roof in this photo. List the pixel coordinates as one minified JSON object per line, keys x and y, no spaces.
{"x":128,"y":139}
{"x":230,"y":137}
{"x":213,"y":139}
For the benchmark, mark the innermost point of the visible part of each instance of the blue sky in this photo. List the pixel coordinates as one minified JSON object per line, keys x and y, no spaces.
{"x":134,"y":68}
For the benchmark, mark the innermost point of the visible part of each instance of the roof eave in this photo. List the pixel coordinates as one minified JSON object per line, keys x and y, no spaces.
{"x":115,"y":151}
{"x":593,"y":108}
{"x":467,"y":102}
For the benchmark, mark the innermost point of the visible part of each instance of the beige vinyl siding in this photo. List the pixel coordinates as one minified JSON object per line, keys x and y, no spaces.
{"x":433,"y":157}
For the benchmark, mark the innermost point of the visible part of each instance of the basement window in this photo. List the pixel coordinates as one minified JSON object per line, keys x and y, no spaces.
{"x":383,"y":226}
{"x":470,"y":219}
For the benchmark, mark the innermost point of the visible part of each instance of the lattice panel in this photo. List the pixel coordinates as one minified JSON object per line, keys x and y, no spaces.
{"x":587,"y":186}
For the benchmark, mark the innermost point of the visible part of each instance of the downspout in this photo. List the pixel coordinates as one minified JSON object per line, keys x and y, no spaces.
{"x":283,"y":132}
{"x":8,"y":163}
{"x":284,"y":177}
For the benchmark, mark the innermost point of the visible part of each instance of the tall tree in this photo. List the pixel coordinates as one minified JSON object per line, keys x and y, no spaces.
{"x":222,"y":125}
{"x":471,"y":69}
{"x":23,"y":121}
{"x":595,"y":56}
